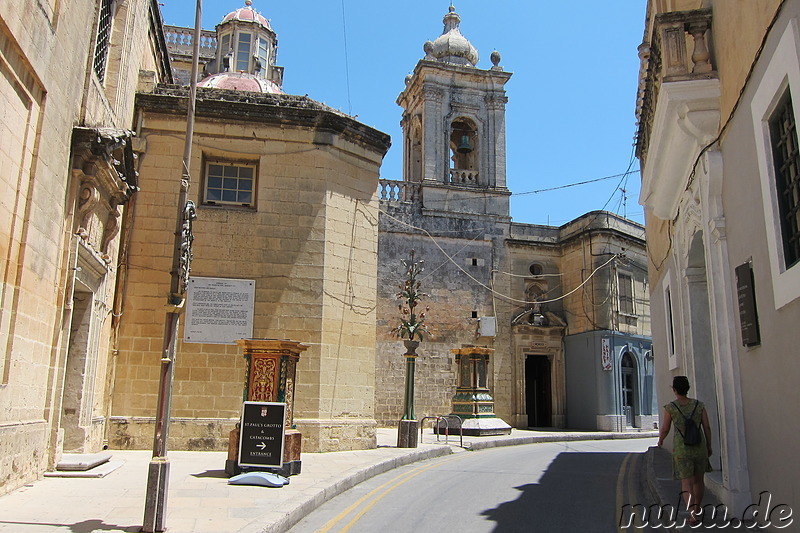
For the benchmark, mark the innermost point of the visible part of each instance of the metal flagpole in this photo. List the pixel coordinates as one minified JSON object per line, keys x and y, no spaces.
{"x":155,"y":508}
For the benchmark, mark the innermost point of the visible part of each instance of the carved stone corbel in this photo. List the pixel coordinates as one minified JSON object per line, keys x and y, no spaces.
{"x":111,"y":228}
{"x":88,"y":198}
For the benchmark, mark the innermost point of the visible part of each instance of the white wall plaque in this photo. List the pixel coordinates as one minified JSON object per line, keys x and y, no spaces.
{"x":219,"y":310}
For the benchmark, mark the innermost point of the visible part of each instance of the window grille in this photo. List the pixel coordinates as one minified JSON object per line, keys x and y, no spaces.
{"x":783,"y":132}
{"x":103,"y":39}
{"x":228,"y":184}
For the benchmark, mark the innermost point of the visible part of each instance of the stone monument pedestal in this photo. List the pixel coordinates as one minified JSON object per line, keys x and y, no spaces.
{"x":270,"y":377}
{"x":473,"y":402}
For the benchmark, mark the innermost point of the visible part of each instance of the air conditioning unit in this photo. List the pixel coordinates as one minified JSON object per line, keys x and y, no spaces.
{"x":487,"y":326}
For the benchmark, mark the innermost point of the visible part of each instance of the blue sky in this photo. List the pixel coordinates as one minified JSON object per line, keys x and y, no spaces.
{"x":571,"y":110}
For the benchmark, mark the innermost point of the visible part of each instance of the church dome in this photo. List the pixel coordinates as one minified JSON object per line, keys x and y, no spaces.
{"x":247,"y":14}
{"x":451,"y":46}
{"x":240,"y":81}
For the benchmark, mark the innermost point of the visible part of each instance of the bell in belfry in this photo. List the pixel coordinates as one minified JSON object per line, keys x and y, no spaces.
{"x":464,"y":147}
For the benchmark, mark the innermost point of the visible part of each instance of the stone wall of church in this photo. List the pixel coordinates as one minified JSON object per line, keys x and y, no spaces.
{"x":456,"y":301}
{"x":310,"y":244}
{"x":45,"y":48}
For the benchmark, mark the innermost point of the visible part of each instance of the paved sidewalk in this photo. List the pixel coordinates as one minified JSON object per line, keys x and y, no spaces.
{"x":201,"y":501}
{"x":667,"y":491}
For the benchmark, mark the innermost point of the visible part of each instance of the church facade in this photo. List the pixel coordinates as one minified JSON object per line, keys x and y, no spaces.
{"x":286,"y":196}
{"x":565,"y":309}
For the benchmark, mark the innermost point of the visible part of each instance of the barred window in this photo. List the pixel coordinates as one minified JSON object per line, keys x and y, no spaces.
{"x":625,"y":290}
{"x":228,"y":184}
{"x":103,"y":39}
{"x":783,"y":135}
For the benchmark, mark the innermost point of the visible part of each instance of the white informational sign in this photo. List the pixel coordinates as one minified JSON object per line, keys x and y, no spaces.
{"x":605,"y":353}
{"x":219,"y":310}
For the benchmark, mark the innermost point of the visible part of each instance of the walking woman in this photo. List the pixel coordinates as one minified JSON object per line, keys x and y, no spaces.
{"x":689,"y":461}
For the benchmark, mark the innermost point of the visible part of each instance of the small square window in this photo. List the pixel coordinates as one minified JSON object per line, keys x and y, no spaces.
{"x":229,"y":184}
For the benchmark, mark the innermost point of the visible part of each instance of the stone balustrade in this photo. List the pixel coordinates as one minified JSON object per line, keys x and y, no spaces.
{"x":180,"y":41}
{"x":463,"y":177}
{"x":398,"y":191}
{"x":678,"y":51}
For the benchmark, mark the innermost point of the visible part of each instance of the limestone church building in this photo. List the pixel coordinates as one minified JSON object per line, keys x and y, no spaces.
{"x":293,"y":212}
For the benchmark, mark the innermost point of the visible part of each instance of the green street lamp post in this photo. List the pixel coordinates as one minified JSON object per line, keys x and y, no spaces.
{"x":412,"y":326}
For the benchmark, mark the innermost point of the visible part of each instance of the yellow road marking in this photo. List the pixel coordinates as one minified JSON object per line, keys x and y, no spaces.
{"x":620,"y":483}
{"x":397,"y":481}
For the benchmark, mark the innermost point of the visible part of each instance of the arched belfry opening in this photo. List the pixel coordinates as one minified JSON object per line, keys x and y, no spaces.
{"x":415,"y":157}
{"x":464,"y":147}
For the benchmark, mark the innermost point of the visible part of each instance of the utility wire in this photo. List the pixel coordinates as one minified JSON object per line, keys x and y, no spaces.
{"x":346,"y":61}
{"x":488,"y":288}
{"x":624,"y":174}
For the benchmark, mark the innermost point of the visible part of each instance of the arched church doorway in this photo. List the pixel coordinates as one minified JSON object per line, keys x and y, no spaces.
{"x":538,"y":391}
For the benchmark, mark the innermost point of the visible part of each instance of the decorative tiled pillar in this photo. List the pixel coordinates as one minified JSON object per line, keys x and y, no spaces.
{"x":473,"y":401}
{"x":270,"y":377}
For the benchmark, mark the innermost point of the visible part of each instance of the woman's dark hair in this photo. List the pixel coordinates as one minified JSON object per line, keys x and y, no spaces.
{"x":681,"y":385}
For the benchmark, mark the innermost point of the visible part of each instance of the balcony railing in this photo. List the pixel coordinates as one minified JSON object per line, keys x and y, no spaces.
{"x":678,"y":51}
{"x":463,"y":177}
{"x":179,"y":41}
{"x":393,"y":191}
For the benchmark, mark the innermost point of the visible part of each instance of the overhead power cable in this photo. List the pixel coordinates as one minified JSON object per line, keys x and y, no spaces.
{"x":575,"y":184}
{"x":490,"y":289}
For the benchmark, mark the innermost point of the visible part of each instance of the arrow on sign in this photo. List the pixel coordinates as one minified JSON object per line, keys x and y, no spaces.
{"x":261,"y":445}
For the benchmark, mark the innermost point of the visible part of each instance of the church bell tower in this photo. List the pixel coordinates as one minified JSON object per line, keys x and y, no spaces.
{"x":454,"y":131}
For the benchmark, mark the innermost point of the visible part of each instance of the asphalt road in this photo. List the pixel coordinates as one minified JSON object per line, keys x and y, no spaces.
{"x":545,"y":487}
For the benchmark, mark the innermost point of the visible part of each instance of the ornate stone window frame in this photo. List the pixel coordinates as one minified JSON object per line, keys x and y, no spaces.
{"x":782,"y":74}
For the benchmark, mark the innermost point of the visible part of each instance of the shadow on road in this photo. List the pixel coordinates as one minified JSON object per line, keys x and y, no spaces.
{"x":576,"y":493}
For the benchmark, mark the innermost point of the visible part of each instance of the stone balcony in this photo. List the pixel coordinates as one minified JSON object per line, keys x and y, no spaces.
{"x":463,"y":177}
{"x":397,"y":192}
{"x":180,"y":42}
{"x":678,"y":51}
{"x":677,"y":107}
